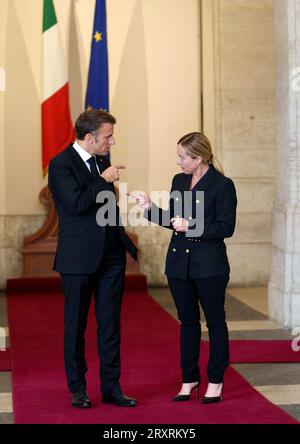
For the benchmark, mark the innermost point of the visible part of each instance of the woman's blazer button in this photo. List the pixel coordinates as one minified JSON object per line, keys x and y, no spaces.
{"x":174,"y":249}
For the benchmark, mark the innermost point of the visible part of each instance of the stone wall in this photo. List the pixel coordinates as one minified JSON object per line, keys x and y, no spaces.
{"x":13,"y":230}
{"x":246,"y":128}
{"x":284,"y":285}
{"x":242,"y":125}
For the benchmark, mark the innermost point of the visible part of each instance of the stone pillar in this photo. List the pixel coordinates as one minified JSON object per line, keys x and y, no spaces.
{"x":284,"y":285}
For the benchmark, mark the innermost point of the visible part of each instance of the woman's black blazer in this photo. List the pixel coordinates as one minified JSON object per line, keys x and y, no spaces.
{"x":205,"y":255}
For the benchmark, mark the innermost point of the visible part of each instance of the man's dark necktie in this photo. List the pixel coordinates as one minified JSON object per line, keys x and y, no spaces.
{"x":93,"y":165}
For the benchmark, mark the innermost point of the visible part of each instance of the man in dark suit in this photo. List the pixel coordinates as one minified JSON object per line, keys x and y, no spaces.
{"x":90,"y":258}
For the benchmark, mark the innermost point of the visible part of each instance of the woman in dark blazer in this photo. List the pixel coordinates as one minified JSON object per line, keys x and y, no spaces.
{"x":197,"y":266}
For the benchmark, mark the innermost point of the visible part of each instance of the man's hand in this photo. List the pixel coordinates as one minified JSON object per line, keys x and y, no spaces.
{"x":180,"y":225}
{"x":142,"y":199}
{"x":111,"y":175}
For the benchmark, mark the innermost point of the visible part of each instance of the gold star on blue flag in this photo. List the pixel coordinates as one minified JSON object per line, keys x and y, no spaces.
{"x":97,"y":95}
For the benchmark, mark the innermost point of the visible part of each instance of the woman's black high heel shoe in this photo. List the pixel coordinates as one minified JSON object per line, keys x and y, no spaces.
{"x":188,"y":397}
{"x":213,"y":399}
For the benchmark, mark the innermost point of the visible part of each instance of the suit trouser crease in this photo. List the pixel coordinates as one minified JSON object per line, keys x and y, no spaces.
{"x":107,"y":284}
{"x":211,"y":294}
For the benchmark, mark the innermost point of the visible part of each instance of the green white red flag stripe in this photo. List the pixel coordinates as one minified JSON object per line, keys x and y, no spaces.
{"x":57,"y":127}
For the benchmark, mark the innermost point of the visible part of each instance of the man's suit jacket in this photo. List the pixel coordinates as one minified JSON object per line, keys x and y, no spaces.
{"x":74,"y":189}
{"x":203,"y":256}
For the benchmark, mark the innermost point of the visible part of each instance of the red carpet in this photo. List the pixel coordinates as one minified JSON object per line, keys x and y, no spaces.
{"x":133,"y":282}
{"x":150,"y":370}
{"x":243,"y":351}
{"x":260,"y":351}
{"x":5,"y":361}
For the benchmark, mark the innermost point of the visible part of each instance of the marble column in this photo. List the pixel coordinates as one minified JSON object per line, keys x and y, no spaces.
{"x":284,"y":285}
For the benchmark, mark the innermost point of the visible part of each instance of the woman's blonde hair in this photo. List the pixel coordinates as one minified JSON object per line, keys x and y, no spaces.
{"x":198,"y":145}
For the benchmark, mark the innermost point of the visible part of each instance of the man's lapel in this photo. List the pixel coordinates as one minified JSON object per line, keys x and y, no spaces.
{"x":103,"y":163}
{"x":80,"y":167}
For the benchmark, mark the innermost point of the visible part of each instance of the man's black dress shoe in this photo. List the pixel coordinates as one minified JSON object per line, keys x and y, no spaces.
{"x":119,"y":399}
{"x":80,"y":400}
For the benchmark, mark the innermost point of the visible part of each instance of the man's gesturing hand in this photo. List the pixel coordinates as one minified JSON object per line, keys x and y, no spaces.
{"x":111,"y":175}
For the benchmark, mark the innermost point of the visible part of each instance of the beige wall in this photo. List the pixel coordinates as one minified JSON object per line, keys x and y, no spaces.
{"x":3,"y":24}
{"x":154,"y":89}
{"x":245,"y":105}
{"x":155,"y":97}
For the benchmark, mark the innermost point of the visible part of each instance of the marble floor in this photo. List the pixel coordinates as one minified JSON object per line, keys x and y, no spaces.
{"x":247,"y":316}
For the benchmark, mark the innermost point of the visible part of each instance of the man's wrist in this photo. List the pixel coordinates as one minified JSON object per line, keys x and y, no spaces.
{"x":103,"y":177}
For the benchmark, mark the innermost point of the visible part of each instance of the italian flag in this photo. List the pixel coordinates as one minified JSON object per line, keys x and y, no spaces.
{"x":57,"y":127}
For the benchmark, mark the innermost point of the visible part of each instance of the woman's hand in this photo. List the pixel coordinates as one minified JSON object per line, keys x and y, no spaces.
{"x":180,"y":225}
{"x":142,"y":199}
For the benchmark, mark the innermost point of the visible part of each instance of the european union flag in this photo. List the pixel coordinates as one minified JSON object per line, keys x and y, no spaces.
{"x":97,"y":95}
